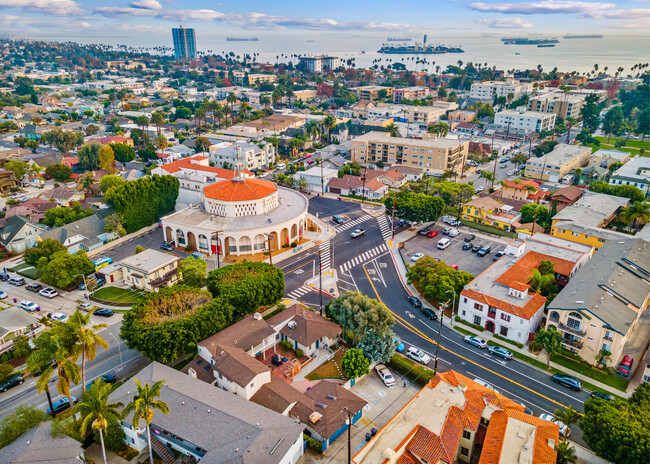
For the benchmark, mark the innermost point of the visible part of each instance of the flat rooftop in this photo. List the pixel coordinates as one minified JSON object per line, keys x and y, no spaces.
{"x":381,"y":137}
{"x":561,"y":154}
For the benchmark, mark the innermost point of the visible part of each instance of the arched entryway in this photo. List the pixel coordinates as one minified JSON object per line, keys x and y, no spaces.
{"x":284,"y":236}
{"x":294,"y":231}
{"x":245,"y":245}
{"x":169,"y":235}
{"x":259,"y":244}
{"x":489,"y":326}
{"x":180,"y":238}
{"x":230,"y":245}
{"x":191,"y":240}
{"x":203,"y":243}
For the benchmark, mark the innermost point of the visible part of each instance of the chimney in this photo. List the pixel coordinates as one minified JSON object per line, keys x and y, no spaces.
{"x":462,"y":387}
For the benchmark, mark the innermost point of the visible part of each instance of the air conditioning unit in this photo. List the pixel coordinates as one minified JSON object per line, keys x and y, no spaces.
{"x":315,"y":417}
{"x":292,"y":325}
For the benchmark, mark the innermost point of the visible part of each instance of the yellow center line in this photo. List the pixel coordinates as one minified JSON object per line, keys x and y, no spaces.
{"x":417,"y":332}
{"x":303,"y":265}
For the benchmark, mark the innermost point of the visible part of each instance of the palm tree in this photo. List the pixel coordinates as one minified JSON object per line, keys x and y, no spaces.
{"x":392,"y":130}
{"x":87,"y":181}
{"x":602,"y":357}
{"x":329,"y":123}
{"x":232,"y":99}
{"x":96,"y":411}
{"x":265,"y":100}
{"x":540,"y":281}
{"x":569,"y":416}
{"x":551,"y":341}
{"x":570,"y":121}
{"x":566,"y":454}
{"x":87,"y":339}
{"x":637,"y":213}
{"x":488,"y":176}
{"x":158,"y":120}
{"x":40,"y":360}
{"x":144,"y":405}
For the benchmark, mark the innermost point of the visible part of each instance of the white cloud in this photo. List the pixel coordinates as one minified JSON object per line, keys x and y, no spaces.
{"x":11,"y":22}
{"x":505,"y":23}
{"x":542,"y":7}
{"x":141,"y":28}
{"x":147,"y":4}
{"x":636,"y":13}
{"x":55,"y":7}
{"x":643,"y":26}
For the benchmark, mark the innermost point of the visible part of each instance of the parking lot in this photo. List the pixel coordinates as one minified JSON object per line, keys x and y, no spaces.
{"x":454,"y":254}
{"x":151,"y":239}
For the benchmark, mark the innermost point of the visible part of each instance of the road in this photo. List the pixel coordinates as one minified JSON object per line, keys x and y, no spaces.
{"x":364,"y":266}
{"x":105,"y":362}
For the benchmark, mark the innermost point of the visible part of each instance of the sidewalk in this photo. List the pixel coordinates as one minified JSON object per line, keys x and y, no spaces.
{"x":401,"y":267}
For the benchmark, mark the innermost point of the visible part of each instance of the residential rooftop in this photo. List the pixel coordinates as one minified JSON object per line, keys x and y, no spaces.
{"x":382,"y":137}
{"x":561,"y":154}
{"x":149,"y":260}
{"x":591,"y":210}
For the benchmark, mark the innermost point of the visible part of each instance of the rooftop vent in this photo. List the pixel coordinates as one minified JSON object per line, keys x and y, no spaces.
{"x":257,"y":316}
{"x":331,"y":397}
{"x":315,"y":417}
{"x":321,"y":405}
{"x":292,"y":325}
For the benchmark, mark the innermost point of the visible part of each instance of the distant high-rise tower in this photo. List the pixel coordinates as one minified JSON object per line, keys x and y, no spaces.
{"x":184,"y":43}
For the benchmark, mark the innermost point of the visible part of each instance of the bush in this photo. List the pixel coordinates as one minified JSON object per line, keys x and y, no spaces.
{"x":312,"y":444}
{"x":286,"y":344}
{"x":18,"y":422}
{"x":414,"y":371}
{"x":165,"y":324}
{"x":294,"y":244}
{"x":507,"y":340}
{"x":300,"y":353}
{"x":189,"y":248}
{"x":247,"y":286}
{"x":469,"y":324}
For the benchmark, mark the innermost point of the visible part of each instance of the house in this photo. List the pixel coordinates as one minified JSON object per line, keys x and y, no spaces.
{"x":33,"y":209}
{"x":14,"y":323}
{"x":312,"y":176}
{"x":304,"y":329}
{"x":85,"y":234}
{"x":41,"y":444}
{"x":518,"y":190}
{"x":18,"y":234}
{"x":585,"y":220}
{"x":453,"y":420}
{"x":352,"y":185}
{"x":260,"y":155}
{"x":73,"y":163}
{"x":46,"y":160}
{"x":601,"y":308}
{"x":7,"y":181}
{"x":391,"y":177}
{"x":208,"y":424}
{"x":466,"y":128}
{"x":412,"y":174}
{"x":150,"y":269}
{"x":62,"y":196}
{"x":500,"y":298}
{"x":605,"y":158}
{"x":635,"y":172}
{"x":490,"y":212}
{"x":566,"y":196}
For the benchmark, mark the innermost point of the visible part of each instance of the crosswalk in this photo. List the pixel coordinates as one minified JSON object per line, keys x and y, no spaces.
{"x":386,"y":231}
{"x":363,"y":257}
{"x":324,"y":250}
{"x":299,"y":292}
{"x":352,"y":223}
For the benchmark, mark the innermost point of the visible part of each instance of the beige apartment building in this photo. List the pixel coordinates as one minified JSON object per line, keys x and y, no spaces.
{"x":563,"y":105}
{"x":371,"y":92}
{"x":555,"y":165}
{"x":410,"y":93}
{"x":433,"y":155}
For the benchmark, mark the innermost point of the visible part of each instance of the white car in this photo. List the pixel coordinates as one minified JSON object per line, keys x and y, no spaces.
{"x":476,"y":341}
{"x":385,"y":375}
{"x":486,"y":385}
{"x":480,"y":189}
{"x":357,"y":233}
{"x":59,"y":317}
{"x":48,"y":292}
{"x":454,"y":232}
{"x":564,"y":430}
{"x":29,"y":306}
{"x":416,"y":257}
{"x":511,"y":173}
{"x":418,"y":355}
{"x":3,"y":295}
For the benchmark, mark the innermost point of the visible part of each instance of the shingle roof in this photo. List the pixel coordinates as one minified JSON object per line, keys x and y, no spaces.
{"x":310,"y":326}
{"x":243,"y":334}
{"x":186,"y":163}
{"x":38,"y":445}
{"x":90,"y":227}
{"x":571,"y":193}
{"x":278,"y":395}
{"x":237,"y":365}
{"x":485,"y":203}
{"x":14,"y":225}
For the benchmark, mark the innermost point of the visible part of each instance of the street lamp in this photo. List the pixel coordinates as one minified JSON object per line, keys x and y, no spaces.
{"x":216,"y":237}
{"x":268,"y":239}
{"x":120,"y":350}
{"x":394,"y":202}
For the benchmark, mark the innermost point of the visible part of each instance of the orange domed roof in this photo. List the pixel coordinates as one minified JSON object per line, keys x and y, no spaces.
{"x":243,"y":190}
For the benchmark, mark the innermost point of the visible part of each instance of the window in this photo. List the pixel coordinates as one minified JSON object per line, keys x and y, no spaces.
{"x":464,"y":312}
{"x":464,"y":451}
{"x":478,"y":306}
{"x":464,"y":300}
{"x":505,"y":317}
{"x":477,"y":320}
{"x":504,"y":331}
{"x":467,"y":434}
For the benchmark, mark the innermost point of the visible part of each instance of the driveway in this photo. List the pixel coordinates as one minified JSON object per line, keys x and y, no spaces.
{"x":151,"y":239}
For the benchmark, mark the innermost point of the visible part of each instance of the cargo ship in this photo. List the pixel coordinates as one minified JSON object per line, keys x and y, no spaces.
{"x":423,"y":48}
{"x":583,"y":36}
{"x":242,"y":39}
{"x":527,"y":41}
{"x":545,"y":45}
{"x":398,"y":39}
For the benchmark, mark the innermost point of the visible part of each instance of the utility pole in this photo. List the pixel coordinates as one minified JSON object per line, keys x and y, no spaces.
{"x":363,"y":188}
{"x":349,"y":421}
{"x":394,"y":203}
{"x":216,"y":236}
{"x":268,"y":239}
{"x":322,"y":189}
{"x":442,"y":314}
{"x":320,"y":280}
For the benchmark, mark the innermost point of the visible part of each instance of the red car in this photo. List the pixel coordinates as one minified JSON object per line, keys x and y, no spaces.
{"x":454,"y":267}
{"x":432,"y":233}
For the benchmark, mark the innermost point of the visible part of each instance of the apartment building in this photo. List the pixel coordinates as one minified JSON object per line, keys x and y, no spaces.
{"x":461,"y":116}
{"x":150,"y":270}
{"x":256,"y":156}
{"x":306,"y":95}
{"x":601,"y":307}
{"x":454,"y":419}
{"x":500,"y":298}
{"x":261,"y":78}
{"x":556,"y":164}
{"x":434,"y":155}
{"x":489,"y":90}
{"x":195,"y":172}
{"x":410,"y":93}
{"x":372,"y":92}
{"x":563,"y":105}
{"x":585,"y":221}
{"x":635,"y":172}
{"x":528,"y":121}
{"x":605,"y":158}
{"x":490,"y":212}
{"x":318,"y":63}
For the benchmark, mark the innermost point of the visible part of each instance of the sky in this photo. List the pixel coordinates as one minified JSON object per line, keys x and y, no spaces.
{"x":148,"y":22}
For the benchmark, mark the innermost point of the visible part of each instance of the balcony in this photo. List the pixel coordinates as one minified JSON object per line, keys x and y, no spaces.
{"x":492,"y":314}
{"x":571,"y":330}
{"x":572,"y":343}
{"x":160,"y":281}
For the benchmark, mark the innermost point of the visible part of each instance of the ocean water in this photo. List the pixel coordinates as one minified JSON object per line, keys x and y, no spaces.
{"x":568,"y":55}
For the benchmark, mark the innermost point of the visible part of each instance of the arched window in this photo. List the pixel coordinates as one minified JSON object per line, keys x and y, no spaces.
{"x":575,"y":315}
{"x":554,"y":316}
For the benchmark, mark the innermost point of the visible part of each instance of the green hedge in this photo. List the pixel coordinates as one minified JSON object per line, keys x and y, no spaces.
{"x":247,"y":286}
{"x":507,"y":340}
{"x":414,"y":371}
{"x":469,"y":324}
{"x":312,"y":444}
{"x":488,"y":229}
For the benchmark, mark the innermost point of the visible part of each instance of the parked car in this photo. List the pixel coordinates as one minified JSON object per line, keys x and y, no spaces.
{"x":4,"y":276}
{"x":454,"y":233}
{"x":603,"y":396}
{"x":486,"y":385}
{"x":424,"y":231}
{"x":338,"y":219}
{"x":484,"y":251}
{"x":476,"y":341}
{"x":446,"y":230}
{"x":103,"y":312}
{"x":166,"y":247}
{"x":500,"y":352}
{"x":416,"y":257}
{"x":399,"y":346}
{"x":34,"y":287}
{"x":199,"y":255}
{"x":564,"y":430}
{"x":415,"y":301}
{"x":62,"y":404}
{"x":357,"y":233}
{"x":59,"y":317}
{"x":480,"y":189}
{"x":17,"y":281}
{"x":475,"y":248}
{"x":454,"y":267}
{"x":48,"y":292}
{"x":625,"y":366}
{"x":498,"y":255}
{"x":29,"y":306}
{"x":429,"y":314}
{"x":418,"y":355}
{"x":85,"y":306}
{"x":11,"y":382}
{"x":432,"y":233}
{"x":106,"y":378}
{"x":467,"y":246}
{"x":3,"y":295}
{"x":469,"y":238}
{"x":527,"y":410}
{"x":385,"y":375}
{"x":568,"y":381}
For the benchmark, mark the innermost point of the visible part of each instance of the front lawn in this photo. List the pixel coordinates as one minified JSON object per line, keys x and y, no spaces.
{"x":116,"y":294}
{"x":328,"y":370}
{"x":30,"y":273}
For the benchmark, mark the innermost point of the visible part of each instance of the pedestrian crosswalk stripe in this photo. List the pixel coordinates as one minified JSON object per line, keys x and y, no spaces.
{"x":366,"y":256}
{"x":352,"y":223}
{"x":385,"y":228}
{"x":300,"y":291}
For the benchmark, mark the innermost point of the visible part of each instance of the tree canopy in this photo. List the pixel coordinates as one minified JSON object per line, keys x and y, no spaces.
{"x":169,"y":323}
{"x":43,"y":249}
{"x":625,"y":191}
{"x":144,"y":201}
{"x":107,"y":182}
{"x":359,"y":314}
{"x":58,"y":172}
{"x":123,"y":153}
{"x":62,"y":269}
{"x":57,"y":217}
{"x":247,"y":286}
{"x":415,"y":206}
{"x":528,"y":214}
{"x":453,"y":193}
{"x":378,"y":348}
{"x":437,"y":280}
{"x":89,"y":156}
{"x":192,"y":271}
{"x":354,"y":364}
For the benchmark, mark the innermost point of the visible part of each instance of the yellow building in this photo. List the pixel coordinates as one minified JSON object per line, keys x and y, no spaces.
{"x":489,"y":212}
{"x":371,"y":92}
{"x":585,"y":220}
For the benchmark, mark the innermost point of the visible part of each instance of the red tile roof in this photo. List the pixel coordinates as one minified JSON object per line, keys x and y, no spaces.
{"x":526,"y":312}
{"x":246,"y":190}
